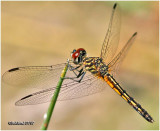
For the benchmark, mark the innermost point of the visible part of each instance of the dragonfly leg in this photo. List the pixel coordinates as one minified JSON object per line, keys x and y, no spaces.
{"x":71,"y":68}
{"x":81,"y":75}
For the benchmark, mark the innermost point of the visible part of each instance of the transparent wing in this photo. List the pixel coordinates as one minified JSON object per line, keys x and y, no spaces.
{"x":46,"y":77}
{"x":42,"y":77}
{"x":111,"y":40}
{"x":72,"y":90}
{"x":116,"y":62}
{"x":33,"y":76}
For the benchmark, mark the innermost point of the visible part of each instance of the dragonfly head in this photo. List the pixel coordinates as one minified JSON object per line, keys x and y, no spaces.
{"x":78,"y":55}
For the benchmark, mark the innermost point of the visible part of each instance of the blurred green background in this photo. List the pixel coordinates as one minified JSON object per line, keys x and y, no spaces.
{"x":44,"y":33}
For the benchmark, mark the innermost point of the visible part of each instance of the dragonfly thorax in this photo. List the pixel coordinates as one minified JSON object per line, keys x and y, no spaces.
{"x":78,"y":55}
{"x":95,"y":65}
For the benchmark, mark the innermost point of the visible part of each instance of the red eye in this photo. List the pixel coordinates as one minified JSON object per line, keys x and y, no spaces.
{"x":80,"y":49}
{"x":75,"y":55}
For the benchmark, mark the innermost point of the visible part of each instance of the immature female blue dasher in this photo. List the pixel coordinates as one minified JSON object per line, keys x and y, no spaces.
{"x":86,"y":75}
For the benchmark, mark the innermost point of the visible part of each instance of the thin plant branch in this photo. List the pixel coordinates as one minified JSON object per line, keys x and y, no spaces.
{"x":48,"y":115}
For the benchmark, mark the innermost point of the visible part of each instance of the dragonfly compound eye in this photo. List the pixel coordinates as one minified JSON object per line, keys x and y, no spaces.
{"x":74,"y":50}
{"x":75,"y":55}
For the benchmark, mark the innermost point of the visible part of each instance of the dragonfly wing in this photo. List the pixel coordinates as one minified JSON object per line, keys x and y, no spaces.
{"x":72,"y":90}
{"x":89,"y":86}
{"x":36,"y":76}
{"x":33,"y":76}
{"x":111,"y":40}
{"x":116,"y":62}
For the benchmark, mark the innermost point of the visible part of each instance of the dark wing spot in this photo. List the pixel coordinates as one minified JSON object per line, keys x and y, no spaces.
{"x":26,"y":97}
{"x":14,"y":69}
{"x":114,"y":5}
{"x":135,"y":34}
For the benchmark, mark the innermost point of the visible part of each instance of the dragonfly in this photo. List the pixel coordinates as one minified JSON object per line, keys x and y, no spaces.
{"x":85,"y":75}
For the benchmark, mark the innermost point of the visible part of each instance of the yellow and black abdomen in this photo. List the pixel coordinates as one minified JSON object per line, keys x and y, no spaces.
{"x":98,"y":68}
{"x":117,"y":88}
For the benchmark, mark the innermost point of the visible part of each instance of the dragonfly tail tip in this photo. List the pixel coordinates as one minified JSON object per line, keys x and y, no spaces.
{"x":152,"y":121}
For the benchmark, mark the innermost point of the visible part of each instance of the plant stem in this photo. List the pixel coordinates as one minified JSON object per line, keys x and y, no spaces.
{"x":53,"y":100}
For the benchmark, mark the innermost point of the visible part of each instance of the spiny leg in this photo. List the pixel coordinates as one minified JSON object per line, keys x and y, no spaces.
{"x":81,"y":73}
{"x":71,"y":68}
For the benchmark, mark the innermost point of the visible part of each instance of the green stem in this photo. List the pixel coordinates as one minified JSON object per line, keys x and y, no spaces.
{"x":53,"y":100}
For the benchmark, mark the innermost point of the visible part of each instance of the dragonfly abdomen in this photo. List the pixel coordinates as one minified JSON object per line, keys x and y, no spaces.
{"x":117,"y":88}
